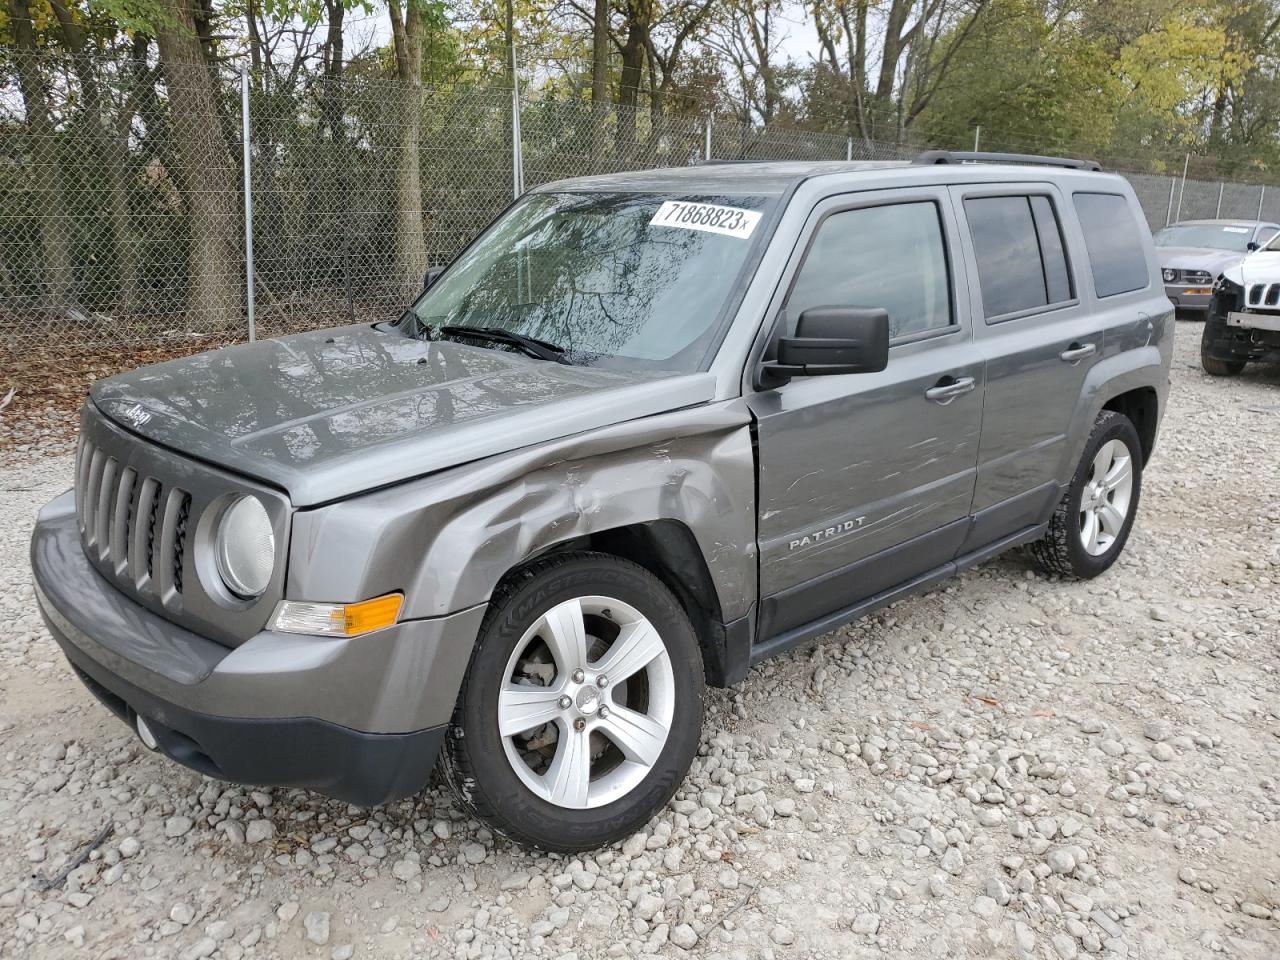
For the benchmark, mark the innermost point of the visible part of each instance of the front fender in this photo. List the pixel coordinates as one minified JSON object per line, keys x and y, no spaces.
{"x":448,"y":539}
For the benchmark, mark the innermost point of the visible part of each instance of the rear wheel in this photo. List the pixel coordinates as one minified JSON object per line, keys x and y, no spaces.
{"x":582,"y":706}
{"x":1091,"y":524}
{"x":1215,"y":366}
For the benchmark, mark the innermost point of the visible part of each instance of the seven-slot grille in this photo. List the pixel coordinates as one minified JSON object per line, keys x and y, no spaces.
{"x":133,"y":524}
{"x":1264,"y":295}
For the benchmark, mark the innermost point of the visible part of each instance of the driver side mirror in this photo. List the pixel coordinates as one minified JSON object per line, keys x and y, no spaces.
{"x":431,"y":276}
{"x":1253,"y":245}
{"x":834,"y":340}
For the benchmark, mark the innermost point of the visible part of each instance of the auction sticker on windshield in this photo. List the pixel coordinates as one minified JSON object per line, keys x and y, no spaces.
{"x":730,"y":221}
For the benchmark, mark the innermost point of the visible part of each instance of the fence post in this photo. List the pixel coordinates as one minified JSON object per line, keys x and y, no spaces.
{"x":1218,"y":212}
{"x":1262,"y":194}
{"x":977,"y":137}
{"x":248,"y":202}
{"x":1168,"y":217}
{"x":848,"y":148}
{"x":1186,"y":160}
{"x":517,"y":150}
{"x":706,"y":148}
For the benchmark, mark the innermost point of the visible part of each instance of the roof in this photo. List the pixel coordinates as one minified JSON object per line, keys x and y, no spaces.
{"x":774,"y":176}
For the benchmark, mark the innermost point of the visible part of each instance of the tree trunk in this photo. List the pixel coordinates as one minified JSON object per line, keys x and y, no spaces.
{"x":410,"y":242}
{"x":46,"y":173}
{"x":599,"y":81}
{"x":205,"y":171}
{"x":629,"y":89}
{"x":114,"y":152}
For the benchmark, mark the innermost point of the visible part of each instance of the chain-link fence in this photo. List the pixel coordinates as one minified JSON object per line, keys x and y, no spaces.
{"x":124,"y":200}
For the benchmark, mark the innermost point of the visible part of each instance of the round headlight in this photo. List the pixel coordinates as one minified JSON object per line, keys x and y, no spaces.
{"x":246,"y":548}
{"x":1170,"y":275}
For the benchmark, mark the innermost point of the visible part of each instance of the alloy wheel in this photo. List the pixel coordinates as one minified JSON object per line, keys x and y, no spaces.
{"x":1104,"y":502}
{"x":586,"y":702}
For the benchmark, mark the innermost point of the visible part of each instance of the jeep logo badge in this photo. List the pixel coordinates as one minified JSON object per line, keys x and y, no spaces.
{"x":136,"y":415}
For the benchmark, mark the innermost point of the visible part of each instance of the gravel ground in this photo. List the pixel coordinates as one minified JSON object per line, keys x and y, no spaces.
{"x":1006,"y":767}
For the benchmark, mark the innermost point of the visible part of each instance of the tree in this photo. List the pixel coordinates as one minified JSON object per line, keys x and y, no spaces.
{"x":42,"y":147}
{"x":202,"y":155}
{"x":918,"y":39}
{"x":410,"y":243}
{"x":748,"y":36}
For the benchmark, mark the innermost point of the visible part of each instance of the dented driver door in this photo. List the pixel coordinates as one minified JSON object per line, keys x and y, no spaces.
{"x":866,"y":480}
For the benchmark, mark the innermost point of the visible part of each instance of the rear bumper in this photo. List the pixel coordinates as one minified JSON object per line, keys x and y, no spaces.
{"x":360,"y":719}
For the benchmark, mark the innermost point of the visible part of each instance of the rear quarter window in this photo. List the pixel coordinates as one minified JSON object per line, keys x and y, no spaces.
{"x":1117,"y":256}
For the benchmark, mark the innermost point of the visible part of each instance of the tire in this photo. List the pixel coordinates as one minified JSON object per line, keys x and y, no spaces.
{"x":1214,"y":366}
{"x":522,"y":783}
{"x":1071,"y":547}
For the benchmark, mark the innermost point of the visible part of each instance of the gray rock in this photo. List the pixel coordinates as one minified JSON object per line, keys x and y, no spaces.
{"x":683,"y":936}
{"x":953,"y":862}
{"x":259,"y":830}
{"x":317,"y":926}
{"x":1061,"y":860}
{"x":177,"y":826}
{"x":866,"y":923}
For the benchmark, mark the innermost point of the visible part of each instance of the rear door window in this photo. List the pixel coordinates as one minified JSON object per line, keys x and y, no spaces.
{"x":1022,"y":265}
{"x":1117,"y":255}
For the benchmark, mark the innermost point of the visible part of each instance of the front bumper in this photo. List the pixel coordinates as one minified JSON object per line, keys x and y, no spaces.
{"x":1233,"y":336}
{"x":360,"y":720}
{"x":1185,"y":302}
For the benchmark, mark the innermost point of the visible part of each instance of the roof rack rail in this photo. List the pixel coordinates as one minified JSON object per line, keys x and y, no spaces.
{"x":969,"y":156}
{"x":716,"y":162}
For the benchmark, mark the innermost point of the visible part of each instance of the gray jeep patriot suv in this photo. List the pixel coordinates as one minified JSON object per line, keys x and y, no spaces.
{"x":645,"y":431}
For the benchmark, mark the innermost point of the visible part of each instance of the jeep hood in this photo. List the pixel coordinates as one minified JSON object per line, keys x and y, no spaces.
{"x":1263,"y":266}
{"x":331,"y":413}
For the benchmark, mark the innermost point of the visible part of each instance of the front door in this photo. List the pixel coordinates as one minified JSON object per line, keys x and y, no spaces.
{"x":866,"y":480}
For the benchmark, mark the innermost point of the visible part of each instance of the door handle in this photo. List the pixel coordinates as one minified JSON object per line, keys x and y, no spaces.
{"x":1078,"y":351}
{"x":948,"y":388}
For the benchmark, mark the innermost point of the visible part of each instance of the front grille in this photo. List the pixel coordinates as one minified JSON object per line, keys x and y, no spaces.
{"x":126,"y":519}
{"x":1264,"y":295}
{"x":1197,"y":276}
{"x":144,"y":512}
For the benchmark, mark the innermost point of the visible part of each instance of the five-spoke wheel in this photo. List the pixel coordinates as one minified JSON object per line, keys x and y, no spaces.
{"x":587,"y":704}
{"x":1092,"y":521}
{"x":1104,"y":504}
{"x":581,"y":709}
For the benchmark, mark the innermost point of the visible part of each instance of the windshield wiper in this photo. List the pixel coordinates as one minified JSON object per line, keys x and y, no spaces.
{"x":532,"y":346}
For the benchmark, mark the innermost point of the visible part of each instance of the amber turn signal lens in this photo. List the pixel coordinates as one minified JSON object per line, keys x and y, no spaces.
{"x":372,"y":614}
{"x":337,"y":619}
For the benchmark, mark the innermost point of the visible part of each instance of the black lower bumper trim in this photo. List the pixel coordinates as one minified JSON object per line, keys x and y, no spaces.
{"x":1225,"y":342}
{"x":366,"y":769}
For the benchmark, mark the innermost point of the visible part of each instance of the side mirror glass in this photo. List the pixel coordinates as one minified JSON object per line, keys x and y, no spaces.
{"x":834,"y":340}
{"x":431,"y":276}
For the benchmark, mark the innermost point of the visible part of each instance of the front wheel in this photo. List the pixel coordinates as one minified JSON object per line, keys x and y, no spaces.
{"x":1091,"y":524}
{"x":581,"y":709}
{"x":1215,"y":366}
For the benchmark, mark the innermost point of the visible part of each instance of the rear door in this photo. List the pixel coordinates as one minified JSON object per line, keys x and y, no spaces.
{"x":865,"y":480}
{"x":1039,"y":338}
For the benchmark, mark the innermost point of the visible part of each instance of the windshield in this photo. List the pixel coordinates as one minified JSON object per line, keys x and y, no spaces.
{"x":1213,"y":236}
{"x":613,"y":279}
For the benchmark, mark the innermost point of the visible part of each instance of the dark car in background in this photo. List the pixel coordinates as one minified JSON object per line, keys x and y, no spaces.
{"x":1194,"y":253}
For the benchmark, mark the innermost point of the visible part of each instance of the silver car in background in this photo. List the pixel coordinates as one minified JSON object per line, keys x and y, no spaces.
{"x":1194,"y":253}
